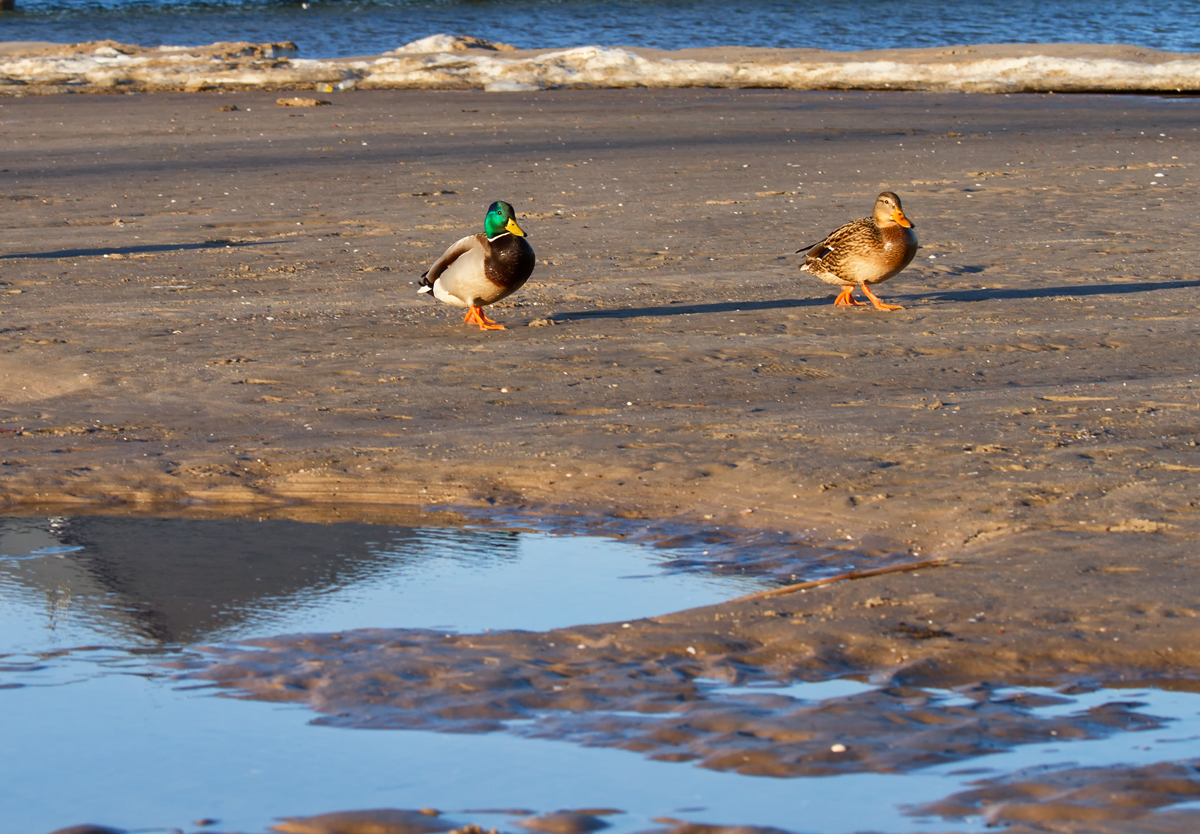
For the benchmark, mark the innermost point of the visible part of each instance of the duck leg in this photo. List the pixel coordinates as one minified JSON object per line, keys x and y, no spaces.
{"x":879,"y":305}
{"x":845,"y":299}
{"x":475,"y":316}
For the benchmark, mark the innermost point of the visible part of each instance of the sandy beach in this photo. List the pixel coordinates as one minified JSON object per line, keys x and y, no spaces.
{"x":209,"y":306}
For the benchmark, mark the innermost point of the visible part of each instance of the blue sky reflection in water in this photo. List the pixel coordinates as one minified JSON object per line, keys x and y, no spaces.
{"x":338,"y":28}
{"x":93,"y":730}
{"x":145,"y":582}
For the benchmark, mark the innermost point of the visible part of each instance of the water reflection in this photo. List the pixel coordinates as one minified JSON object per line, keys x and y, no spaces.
{"x":178,"y":582}
{"x":181,"y":581}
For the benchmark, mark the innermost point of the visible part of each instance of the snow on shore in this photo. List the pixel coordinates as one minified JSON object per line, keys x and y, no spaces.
{"x":443,"y":62}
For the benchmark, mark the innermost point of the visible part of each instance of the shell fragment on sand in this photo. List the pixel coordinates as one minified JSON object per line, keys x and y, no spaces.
{"x":301,"y":101}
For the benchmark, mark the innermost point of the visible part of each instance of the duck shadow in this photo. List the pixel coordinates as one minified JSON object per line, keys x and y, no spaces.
{"x":149,"y":248}
{"x":1017,"y":294}
{"x":695,"y":309}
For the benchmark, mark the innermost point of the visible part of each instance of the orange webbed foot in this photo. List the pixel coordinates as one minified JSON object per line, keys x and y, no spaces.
{"x":845,"y":299}
{"x":475,"y":316}
{"x":879,"y":305}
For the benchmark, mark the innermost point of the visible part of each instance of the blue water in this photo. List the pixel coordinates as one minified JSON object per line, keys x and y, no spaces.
{"x":340,"y":28}
{"x":96,"y":728}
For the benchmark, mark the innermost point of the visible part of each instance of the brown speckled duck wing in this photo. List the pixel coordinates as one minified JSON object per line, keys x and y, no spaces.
{"x":825,"y":258}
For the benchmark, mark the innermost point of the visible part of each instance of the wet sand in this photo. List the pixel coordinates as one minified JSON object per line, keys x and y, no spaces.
{"x":215,"y":309}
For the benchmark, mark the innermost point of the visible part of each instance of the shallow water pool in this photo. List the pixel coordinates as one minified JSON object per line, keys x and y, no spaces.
{"x":95,"y":728}
{"x":161,"y":582}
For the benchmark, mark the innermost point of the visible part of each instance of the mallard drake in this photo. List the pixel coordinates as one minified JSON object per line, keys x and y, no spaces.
{"x":864,"y":251}
{"x":482,"y":268}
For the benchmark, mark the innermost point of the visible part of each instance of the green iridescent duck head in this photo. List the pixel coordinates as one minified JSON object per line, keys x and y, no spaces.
{"x":500,"y":219}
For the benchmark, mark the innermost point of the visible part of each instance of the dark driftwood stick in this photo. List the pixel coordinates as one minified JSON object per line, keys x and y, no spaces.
{"x":842,"y":577}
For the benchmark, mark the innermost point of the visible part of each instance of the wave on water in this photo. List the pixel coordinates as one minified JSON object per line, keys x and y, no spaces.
{"x":445,"y":62}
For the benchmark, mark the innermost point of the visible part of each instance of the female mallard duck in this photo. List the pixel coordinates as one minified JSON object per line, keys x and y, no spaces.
{"x":482,"y":269}
{"x":865,"y":251}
